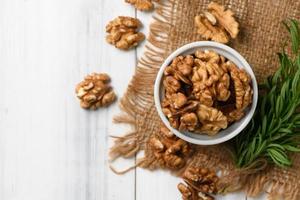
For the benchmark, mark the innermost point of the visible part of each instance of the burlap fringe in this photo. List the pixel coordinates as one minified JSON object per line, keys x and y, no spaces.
{"x":139,"y":95}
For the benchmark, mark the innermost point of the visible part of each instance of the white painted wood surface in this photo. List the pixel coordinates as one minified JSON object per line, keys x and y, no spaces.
{"x":50,"y":148}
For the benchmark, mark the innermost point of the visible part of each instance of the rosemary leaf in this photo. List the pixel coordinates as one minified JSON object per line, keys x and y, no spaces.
{"x":274,"y":130}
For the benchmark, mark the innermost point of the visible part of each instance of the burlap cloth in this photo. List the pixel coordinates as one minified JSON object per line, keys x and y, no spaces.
{"x":261,"y":37}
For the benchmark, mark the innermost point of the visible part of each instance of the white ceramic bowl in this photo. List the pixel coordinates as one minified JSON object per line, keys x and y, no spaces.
{"x":234,"y":128}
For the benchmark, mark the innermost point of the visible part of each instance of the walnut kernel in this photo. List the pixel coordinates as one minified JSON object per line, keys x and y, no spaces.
{"x":217,"y":24}
{"x":188,"y":121}
{"x":209,"y":31}
{"x":143,"y":5}
{"x":212,"y":120}
{"x":225,"y":18}
{"x":200,"y":184}
{"x":178,"y":100}
{"x":123,"y":32}
{"x":169,"y":150}
{"x":94,"y":91}
{"x":242,"y":89}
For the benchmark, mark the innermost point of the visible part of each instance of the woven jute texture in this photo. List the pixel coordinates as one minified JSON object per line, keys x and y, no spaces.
{"x":261,"y":37}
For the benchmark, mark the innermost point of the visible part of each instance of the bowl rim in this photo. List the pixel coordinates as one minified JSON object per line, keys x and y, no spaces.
{"x":157,"y":87}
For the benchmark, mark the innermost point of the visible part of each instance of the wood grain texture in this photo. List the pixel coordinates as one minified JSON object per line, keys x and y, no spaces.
{"x":50,"y":148}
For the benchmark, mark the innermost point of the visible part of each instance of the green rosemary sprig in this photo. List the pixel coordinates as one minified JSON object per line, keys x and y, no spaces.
{"x":275,"y":128}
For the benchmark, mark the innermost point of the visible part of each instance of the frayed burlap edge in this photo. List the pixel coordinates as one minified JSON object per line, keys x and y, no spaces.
{"x":138,"y":109}
{"x":139,"y":94}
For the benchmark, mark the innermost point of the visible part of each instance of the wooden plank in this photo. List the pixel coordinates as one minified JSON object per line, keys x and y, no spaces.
{"x":50,"y":147}
{"x":121,"y":66}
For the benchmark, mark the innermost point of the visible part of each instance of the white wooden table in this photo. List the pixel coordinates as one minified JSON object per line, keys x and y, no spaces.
{"x":50,"y":148}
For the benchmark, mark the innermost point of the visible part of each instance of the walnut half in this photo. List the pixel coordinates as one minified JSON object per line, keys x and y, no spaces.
{"x":170,"y":151}
{"x":142,"y":5}
{"x":217,"y":24}
{"x":209,"y":31}
{"x":123,"y":32}
{"x":242,"y":89}
{"x":94,"y":91}
{"x":212,"y":120}
{"x":200,"y":184}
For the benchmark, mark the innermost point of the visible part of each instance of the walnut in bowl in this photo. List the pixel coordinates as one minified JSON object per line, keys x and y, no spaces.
{"x":205,"y":92}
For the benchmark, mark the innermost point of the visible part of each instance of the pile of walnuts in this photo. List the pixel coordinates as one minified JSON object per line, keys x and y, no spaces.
{"x":217,"y":24}
{"x":170,"y":151}
{"x":205,"y":92}
{"x":200,"y":184}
